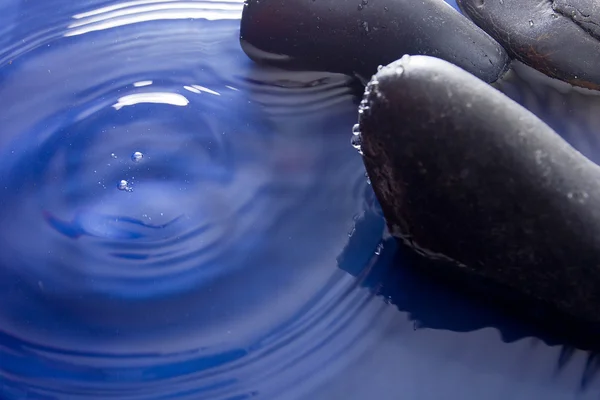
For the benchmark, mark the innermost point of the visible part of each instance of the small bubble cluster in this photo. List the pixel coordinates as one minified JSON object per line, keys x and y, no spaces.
{"x":365,"y":104}
{"x":124,"y":185}
{"x":356,"y":140}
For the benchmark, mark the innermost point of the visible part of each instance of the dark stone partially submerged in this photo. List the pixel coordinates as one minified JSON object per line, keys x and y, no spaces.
{"x":467,"y":176}
{"x":356,"y":36}
{"x":560,"y":38}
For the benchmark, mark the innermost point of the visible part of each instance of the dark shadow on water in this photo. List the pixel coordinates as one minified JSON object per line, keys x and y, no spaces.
{"x":435,"y":297}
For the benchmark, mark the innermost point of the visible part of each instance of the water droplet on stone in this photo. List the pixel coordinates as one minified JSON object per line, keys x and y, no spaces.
{"x":357,"y":143}
{"x":356,"y":129}
{"x":379,"y":68}
{"x":137,"y":156}
{"x":578,"y":196}
{"x":531,"y":23}
{"x":368,"y":179}
{"x":399,"y":71}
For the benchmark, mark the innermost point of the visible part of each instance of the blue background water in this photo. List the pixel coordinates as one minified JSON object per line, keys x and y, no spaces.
{"x":248,"y":257}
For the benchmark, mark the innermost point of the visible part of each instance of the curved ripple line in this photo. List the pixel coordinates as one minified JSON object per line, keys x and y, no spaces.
{"x":114,"y":16}
{"x":326,"y":324}
{"x":173,"y":99}
{"x":127,"y":4}
{"x":136,"y":12}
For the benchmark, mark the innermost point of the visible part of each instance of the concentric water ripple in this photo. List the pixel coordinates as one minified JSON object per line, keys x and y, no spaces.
{"x":159,"y":201}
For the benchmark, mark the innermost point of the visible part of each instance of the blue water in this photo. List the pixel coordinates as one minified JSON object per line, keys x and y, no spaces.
{"x":243,"y":257}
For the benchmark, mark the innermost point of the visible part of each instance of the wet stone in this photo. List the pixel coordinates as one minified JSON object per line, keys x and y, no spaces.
{"x":488,"y":189}
{"x":343,"y":37}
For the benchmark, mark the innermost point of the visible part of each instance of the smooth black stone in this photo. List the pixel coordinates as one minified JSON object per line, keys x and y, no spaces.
{"x":356,"y":36}
{"x":467,"y":176}
{"x":559,"y":38}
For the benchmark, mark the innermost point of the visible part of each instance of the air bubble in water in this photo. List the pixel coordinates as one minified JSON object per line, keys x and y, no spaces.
{"x":356,"y":130}
{"x":531,"y":23}
{"x":113,"y":155}
{"x":137,"y":156}
{"x":124,"y":185}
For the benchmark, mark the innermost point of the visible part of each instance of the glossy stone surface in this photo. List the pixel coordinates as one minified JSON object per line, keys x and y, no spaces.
{"x":355,"y":37}
{"x":467,"y":176}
